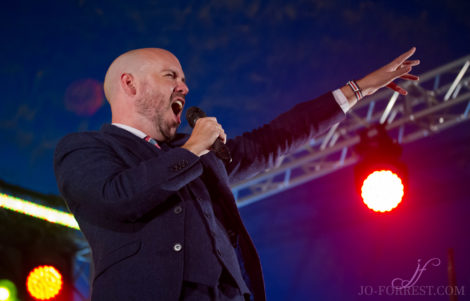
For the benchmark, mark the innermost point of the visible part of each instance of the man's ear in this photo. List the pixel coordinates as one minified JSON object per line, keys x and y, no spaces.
{"x":128,"y":84}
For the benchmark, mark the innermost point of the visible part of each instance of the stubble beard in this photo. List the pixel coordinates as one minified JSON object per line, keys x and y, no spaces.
{"x":153,"y":106}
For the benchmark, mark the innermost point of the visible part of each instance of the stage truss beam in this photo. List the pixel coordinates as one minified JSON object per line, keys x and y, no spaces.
{"x":438,"y":101}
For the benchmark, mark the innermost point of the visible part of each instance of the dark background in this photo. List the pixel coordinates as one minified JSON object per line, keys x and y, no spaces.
{"x":246,"y":62}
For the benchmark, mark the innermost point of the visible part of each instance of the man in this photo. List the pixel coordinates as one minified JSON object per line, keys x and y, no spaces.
{"x":155,"y":205}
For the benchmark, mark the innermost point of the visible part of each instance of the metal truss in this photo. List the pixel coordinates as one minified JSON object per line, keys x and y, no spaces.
{"x":440,"y":100}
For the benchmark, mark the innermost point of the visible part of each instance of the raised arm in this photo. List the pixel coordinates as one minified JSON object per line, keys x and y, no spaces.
{"x":259,"y":149}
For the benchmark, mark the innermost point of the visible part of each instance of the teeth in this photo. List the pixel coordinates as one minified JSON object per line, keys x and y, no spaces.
{"x":179,"y":103}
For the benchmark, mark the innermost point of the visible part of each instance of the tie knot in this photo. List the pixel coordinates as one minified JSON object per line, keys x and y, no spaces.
{"x":152,"y":141}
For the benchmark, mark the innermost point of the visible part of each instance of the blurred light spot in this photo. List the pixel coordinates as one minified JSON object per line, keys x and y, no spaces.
{"x":382,"y":190}
{"x":84,"y":97}
{"x":4,"y":294}
{"x":44,"y":282}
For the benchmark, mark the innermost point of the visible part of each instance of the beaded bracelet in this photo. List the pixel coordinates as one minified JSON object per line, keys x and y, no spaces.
{"x":356,"y":89}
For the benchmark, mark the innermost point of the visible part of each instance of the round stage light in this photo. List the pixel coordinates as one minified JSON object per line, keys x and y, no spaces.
{"x":4,"y":293}
{"x":44,"y":282}
{"x":7,"y":290}
{"x":382,"y":190}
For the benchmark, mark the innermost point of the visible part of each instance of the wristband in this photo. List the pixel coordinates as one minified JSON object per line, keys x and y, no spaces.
{"x":356,"y":89}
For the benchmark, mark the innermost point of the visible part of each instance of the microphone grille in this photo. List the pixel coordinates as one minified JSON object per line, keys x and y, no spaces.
{"x":193,"y":114}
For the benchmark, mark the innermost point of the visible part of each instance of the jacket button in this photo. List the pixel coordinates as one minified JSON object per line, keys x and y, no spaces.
{"x":218,"y":252}
{"x":177,"y":247}
{"x":177,"y":210}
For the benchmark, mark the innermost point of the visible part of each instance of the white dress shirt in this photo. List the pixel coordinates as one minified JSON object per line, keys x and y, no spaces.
{"x":134,"y":131}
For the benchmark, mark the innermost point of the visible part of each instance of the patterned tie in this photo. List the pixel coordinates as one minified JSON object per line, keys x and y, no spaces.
{"x":152,"y":141}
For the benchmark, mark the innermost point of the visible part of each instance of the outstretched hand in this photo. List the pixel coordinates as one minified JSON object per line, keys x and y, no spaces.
{"x":385,"y":76}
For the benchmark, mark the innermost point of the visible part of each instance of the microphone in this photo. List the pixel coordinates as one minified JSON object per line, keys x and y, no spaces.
{"x":219,"y":148}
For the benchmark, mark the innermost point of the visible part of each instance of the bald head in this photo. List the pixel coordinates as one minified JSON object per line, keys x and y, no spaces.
{"x":146,"y":90}
{"x":135,"y":62}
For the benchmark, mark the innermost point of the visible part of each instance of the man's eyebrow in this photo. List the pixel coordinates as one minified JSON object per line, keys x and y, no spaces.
{"x":175,"y":72}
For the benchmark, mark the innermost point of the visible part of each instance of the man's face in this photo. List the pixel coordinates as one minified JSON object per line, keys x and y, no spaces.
{"x":163,"y":95}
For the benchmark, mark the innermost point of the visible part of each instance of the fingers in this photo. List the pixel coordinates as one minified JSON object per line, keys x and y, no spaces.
{"x":205,"y":120}
{"x":211,"y":125}
{"x":403,"y":73}
{"x":403,"y":70}
{"x":409,"y":77}
{"x":411,"y":63}
{"x":397,"y":88}
{"x":205,"y":132}
{"x":400,"y":72}
{"x":399,"y":60}
{"x":398,"y":68}
{"x":223,"y":136}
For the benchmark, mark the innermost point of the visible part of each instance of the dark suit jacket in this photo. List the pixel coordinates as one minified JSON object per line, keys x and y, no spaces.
{"x":123,"y":192}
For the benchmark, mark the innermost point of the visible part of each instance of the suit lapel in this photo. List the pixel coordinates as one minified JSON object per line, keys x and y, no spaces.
{"x":133,"y":144}
{"x":215,"y":175}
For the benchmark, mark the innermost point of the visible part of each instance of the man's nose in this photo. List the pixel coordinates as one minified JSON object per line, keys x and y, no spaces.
{"x":182,"y":88}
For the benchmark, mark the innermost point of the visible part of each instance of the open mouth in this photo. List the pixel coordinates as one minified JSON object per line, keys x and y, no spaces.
{"x":177,"y":107}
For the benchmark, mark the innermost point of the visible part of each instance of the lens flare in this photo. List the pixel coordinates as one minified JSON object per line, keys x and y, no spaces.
{"x":382,"y":190}
{"x":84,"y":97}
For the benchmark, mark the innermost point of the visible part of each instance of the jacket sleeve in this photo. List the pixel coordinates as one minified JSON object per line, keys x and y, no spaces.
{"x":258,"y":150}
{"x":91,"y":177}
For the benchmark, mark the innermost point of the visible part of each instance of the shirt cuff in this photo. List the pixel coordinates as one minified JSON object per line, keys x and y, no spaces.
{"x":342,"y":100}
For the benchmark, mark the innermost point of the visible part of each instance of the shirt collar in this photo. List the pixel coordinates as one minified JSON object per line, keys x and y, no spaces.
{"x":130,"y":129}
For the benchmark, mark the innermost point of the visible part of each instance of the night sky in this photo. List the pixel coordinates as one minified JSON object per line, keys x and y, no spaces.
{"x":245,"y":63}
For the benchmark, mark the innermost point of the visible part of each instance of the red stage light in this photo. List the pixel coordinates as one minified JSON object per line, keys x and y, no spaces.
{"x":382,"y":190}
{"x":44,"y":282}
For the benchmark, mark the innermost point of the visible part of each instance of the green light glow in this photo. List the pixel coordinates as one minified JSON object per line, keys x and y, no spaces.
{"x":38,"y":211}
{"x":7,"y":290}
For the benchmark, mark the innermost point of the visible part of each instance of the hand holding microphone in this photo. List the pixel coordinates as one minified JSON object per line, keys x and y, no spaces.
{"x":208,"y":135}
